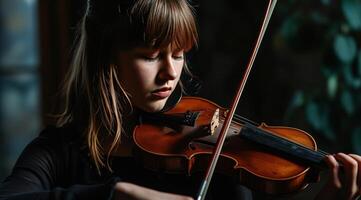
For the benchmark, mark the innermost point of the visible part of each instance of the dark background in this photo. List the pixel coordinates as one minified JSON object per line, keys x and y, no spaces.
{"x":307,"y":73}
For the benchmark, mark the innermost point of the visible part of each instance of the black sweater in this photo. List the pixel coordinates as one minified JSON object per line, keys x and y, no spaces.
{"x":56,"y":165}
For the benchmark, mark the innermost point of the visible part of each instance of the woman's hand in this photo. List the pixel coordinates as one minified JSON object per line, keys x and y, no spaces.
{"x":344,"y":182}
{"x":129,"y":191}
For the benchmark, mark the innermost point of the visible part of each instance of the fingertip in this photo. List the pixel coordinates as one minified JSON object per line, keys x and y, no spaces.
{"x":331,"y":160}
{"x":355,"y":156}
{"x":340,"y":154}
{"x":347,"y":159}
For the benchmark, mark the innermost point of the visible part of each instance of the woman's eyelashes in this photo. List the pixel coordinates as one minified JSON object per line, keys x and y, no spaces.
{"x":153,"y":58}
{"x":178,"y":57}
{"x":150,"y":58}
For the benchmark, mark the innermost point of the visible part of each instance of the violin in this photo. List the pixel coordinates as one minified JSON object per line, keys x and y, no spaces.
{"x":271,"y":159}
{"x":196,"y":133}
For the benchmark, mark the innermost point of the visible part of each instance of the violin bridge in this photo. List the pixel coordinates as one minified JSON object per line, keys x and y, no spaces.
{"x":215,"y":121}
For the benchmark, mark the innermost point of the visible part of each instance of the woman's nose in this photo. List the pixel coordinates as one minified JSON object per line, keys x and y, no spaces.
{"x":168,"y":70}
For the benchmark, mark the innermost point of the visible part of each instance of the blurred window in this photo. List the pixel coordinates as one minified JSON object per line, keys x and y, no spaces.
{"x":20,"y":119}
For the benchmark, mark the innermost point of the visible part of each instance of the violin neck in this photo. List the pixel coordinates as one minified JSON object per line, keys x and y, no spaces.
{"x":285,"y":147}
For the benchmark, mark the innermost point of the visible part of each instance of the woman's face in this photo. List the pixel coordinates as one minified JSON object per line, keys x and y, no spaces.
{"x":149,"y":76}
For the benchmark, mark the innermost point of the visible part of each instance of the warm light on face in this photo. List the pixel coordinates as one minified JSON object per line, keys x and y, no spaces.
{"x":149,"y":76}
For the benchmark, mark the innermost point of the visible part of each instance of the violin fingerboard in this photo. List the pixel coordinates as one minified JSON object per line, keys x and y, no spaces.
{"x":286,"y":147}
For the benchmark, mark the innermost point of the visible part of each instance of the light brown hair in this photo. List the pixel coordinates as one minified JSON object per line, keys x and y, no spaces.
{"x":94,"y":97}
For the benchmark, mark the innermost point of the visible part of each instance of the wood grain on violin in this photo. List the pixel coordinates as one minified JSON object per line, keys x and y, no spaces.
{"x":285,"y":162}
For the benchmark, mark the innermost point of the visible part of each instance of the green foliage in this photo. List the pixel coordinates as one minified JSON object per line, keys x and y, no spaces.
{"x":332,"y":83}
{"x":345,"y":48}
{"x":352,"y":12}
{"x":332,"y":109}
{"x":347,"y":102}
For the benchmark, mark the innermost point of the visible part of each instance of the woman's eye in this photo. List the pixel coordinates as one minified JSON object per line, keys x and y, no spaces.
{"x":178,"y":57}
{"x":150,"y":58}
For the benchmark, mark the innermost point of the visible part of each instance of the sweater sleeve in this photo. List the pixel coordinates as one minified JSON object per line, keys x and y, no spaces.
{"x":40,"y":171}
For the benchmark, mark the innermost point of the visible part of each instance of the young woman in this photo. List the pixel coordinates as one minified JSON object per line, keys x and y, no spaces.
{"x":129,"y":57}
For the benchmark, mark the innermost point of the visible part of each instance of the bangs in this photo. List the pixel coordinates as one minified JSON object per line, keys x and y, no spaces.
{"x":166,"y":22}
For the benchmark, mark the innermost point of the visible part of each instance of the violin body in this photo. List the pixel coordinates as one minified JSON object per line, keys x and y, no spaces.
{"x":175,"y":149}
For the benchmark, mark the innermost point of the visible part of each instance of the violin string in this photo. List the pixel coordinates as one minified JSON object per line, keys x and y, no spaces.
{"x":239,"y":118}
{"x":324,"y":153}
{"x":244,"y":119}
{"x":317,"y":152}
{"x":301,"y":146}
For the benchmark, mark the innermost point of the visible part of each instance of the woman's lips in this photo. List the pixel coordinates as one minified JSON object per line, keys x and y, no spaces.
{"x":162,"y":93}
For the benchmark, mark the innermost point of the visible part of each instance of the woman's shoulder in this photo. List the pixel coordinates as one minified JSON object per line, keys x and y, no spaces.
{"x":54,"y":139}
{"x":54,"y":158}
{"x":66,"y":134}
{"x":55,"y":143}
